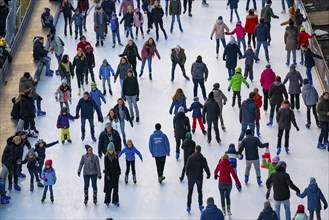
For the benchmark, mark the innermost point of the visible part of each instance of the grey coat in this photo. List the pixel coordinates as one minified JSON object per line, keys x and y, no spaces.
{"x":99,"y":21}
{"x":199,"y":70}
{"x":310,"y":95}
{"x":219,"y":97}
{"x":91,"y":165}
{"x":291,"y":38}
{"x":56,"y":45}
{"x":285,"y":117}
{"x":295,"y":81}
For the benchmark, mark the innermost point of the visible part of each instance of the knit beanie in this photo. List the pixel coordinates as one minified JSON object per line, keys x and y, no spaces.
{"x":196,"y":99}
{"x":27,"y":75}
{"x":300,"y":209}
{"x":93,"y":85}
{"x":49,"y":163}
{"x":216,"y":85}
{"x":110,"y":146}
{"x":105,"y":62}
{"x":305,"y":81}
{"x":188,"y":135}
{"x":211,"y":95}
{"x":275,"y":159}
{"x":88,"y":147}
{"x":302,"y":29}
{"x":267,"y":204}
{"x":64,"y":81}
{"x":268,"y":66}
{"x":220,"y":18}
{"x":312,"y":180}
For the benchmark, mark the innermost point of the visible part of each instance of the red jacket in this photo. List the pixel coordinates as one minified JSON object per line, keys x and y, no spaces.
{"x":223,"y":170}
{"x":267,"y":78}
{"x":251,"y":22}
{"x":84,"y":45}
{"x":303,"y":38}
{"x":83,"y":5}
{"x":153,"y":50}
{"x":259,"y":103}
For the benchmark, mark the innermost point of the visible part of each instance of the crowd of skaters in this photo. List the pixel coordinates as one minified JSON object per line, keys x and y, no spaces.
{"x":112,"y":142}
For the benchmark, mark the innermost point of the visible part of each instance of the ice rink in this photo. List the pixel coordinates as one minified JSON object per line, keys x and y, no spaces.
{"x":148,"y":199}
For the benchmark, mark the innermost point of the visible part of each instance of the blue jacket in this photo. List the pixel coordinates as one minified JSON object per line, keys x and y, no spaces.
{"x":178,"y":103}
{"x":87,"y":109}
{"x":314,"y":195}
{"x":105,"y":71}
{"x":196,"y":108}
{"x":50,"y":176}
{"x":77,"y":19}
{"x":130,"y":153}
{"x":261,"y":32}
{"x":212,"y":213}
{"x":159,"y":144}
{"x":248,"y":111}
{"x":63,"y":120}
{"x":114,"y":24}
{"x":268,"y":214}
{"x":97,"y":96}
{"x":233,"y":3}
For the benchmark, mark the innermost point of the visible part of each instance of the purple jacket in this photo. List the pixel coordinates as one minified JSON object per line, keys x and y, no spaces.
{"x":137,"y":22}
{"x":63,"y":120}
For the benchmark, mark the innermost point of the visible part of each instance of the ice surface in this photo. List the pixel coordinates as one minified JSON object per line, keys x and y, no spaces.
{"x":147,"y":199}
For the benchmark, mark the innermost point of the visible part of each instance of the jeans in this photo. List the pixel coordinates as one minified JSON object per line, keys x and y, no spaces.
{"x":308,"y":113}
{"x":91,"y":71}
{"x":83,"y":126}
{"x":122,"y":125}
{"x":253,"y":37}
{"x":132,"y":103}
{"x":78,"y":28}
{"x":243,"y":41}
{"x":132,"y":165}
{"x":34,"y":172}
{"x":217,"y":44}
{"x":99,"y":36}
{"x":59,"y":58}
{"x":244,"y":126}
{"x":293,"y":55}
{"x":215,"y":122}
{"x":265,"y":101}
{"x":38,"y":99}
{"x":230,"y":73}
{"x":294,"y":98}
{"x":116,"y":33}
{"x":149,"y":62}
{"x":68,"y":79}
{"x":200,"y":82}
{"x":301,"y":56}
{"x":190,"y":191}
{"x":274,"y":107}
{"x":236,"y":94}
{"x":129,"y":30}
{"x":80,"y":79}
{"x":264,"y":43}
{"x":160,"y":163}
{"x":121,"y":83}
{"x":256,"y":166}
{"x":173,"y":70}
{"x":86,"y":179}
{"x":236,"y":13}
{"x":324,"y":131}
{"x":248,"y":71}
{"x":247,"y":5}
{"x":108,"y":83}
{"x":150,"y":21}
{"x":309,"y":75}
{"x":46,"y":61}
{"x":166,"y":6}
{"x":157,"y":24}
{"x":286,"y":137}
{"x":286,"y":204}
{"x":225,"y":191}
{"x":46,"y":189}
{"x":173,"y":20}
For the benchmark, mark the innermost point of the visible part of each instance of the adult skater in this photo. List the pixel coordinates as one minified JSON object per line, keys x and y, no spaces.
{"x":178,"y":57}
{"x":175,"y":10}
{"x":295,"y":82}
{"x":195,"y":165}
{"x":122,"y":71}
{"x":219,"y":29}
{"x":233,"y":6}
{"x":67,"y":9}
{"x":188,"y":147}
{"x":131,"y":94}
{"x":131,"y":52}
{"x":221,"y":100}
{"x":309,"y":61}
{"x":99,"y":25}
{"x":291,"y":41}
{"x":281,"y":183}
{"x":83,"y":6}
{"x":199,"y":73}
{"x":267,"y":14}
{"x":266,"y":79}
{"x":157,"y":13}
{"x":91,"y":170}
{"x":249,"y":27}
{"x":211,"y":211}
{"x":56,"y":45}
{"x":148,"y":51}
{"x":262,"y":34}
{"x":251,"y":144}
{"x":65,"y":69}
{"x":113,"y":118}
{"x":108,"y":135}
{"x":123,"y":115}
{"x":310,"y":97}
{"x":178,"y":100}
{"x":267,"y":213}
{"x":247,"y":5}
{"x":181,"y":127}
{"x":81,"y":69}
{"x":231,"y":54}
{"x":210,"y":114}
{"x":87,"y":107}
{"x":322,"y":109}
{"x":27,"y":113}
{"x":108,"y":7}
{"x":159,"y":148}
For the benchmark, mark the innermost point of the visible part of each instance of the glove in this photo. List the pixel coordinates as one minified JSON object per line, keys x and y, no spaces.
{"x":210,"y":38}
{"x":170,"y":112}
{"x":216,"y":177}
{"x":100,"y":155}
{"x":204,"y":121}
{"x":99,"y":177}
{"x":240,"y":156}
{"x":57,"y":142}
{"x":228,"y":89}
{"x":115,"y":81}
{"x":119,"y":14}
{"x":44,"y":178}
{"x":325,"y":207}
{"x":224,"y":103}
{"x":297,"y":128}
{"x":238,"y":187}
{"x":137,"y":99}
{"x":267,"y":144}
{"x":100,"y":77}
{"x":78,"y":174}
{"x":77,"y":116}
{"x":100,"y":119}
{"x":208,"y":177}
{"x":58,"y":127}
{"x":132,"y":124}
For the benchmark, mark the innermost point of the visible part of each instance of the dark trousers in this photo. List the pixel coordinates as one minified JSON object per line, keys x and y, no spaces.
{"x":160,"y":162}
{"x":134,"y":64}
{"x":253,"y":37}
{"x":189,"y":5}
{"x":183,"y":170}
{"x":308,"y":113}
{"x":149,"y":20}
{"x":67,"y":20}
{"x":178,"y":143}
{"x":46,"y":189}
{"x":29,"y":123}
{"x":174,"y":67}
{"x":318,"y":216}
{"x":269,"y":30}
{"x":324,"y":131}
{"x":2,"y":31}
{"x":265,"y":101}
{"x":225,"y":191}
{"x":80,"y":79}
{"x":247,"y":5}
{"x":34,"y":172}
{"x":41,"y":162}
{"x":78,"y":28}
{"x":200,"y":82}
{"x":294,"y":98}
{"x":217,"y":44}
{"x":132,"y":165}
{"x":38,"y":100}
{"x":86,"y":179}
{"x":92,"y":75}
{"x":83,"y":126}
{"x":248,"y":71}
{"x":286,"y":137}
{"x":236,"y":94}
{"x":115,"y":194}
{"x":12,"y":172}
{"x":142,"y":32}
{"x":215,"y":122}
{"x":274,"y":107}
{"x":190,"y":191}
{"x":157,"y":24}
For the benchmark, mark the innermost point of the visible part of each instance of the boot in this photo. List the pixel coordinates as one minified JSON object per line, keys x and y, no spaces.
{"x":134,"y":179}
{"x":31,"y":187}
{"x":137,"y":119}
{"x":17,"y":187}
{"x":201,"y":207}
{"x":97,"y":43}
{"x":83,"y":88}
{"x":186,"y":77}
{"x":288,"y":62}
{"x":102,"y":44}
{"x":71,"y":30}
{"x":79,"y":91}
{"x":224,"y":211}
{"x":40,"y":113}
{"x":43,"y":198}
{"x":188,"y":209}
{"x":177,"y":156}
{"x":246,"y":179}
{"x":110,"y":91}
{"x":150,"y":76}
{"x":76,"y":36}
{"x":52,"y":198}
{"x":82,"y":136}
{"x":287,"y":149}
{"x":141,"y":73}
{"x":104,"y":92}
{"x":320,"y":146}
{"x":308,"y":125}
{"x":258,"y":133}
{"x":294,"y":62}
{"x":229,"y":212}
{"x":36,"y":130}
{"x":93,"y":138}
{"x":278,"y":151}
{"x":270,"y":123}
{"x":86,"y":197}
{"x":218,"y":140}
{"x":259,"y":181}
{"x":95,"y":197}
{"x":3,"y":200}
{"x":65,"y":33}
{"x":204,"y":132}
{"x":223,"y":127}
{"x":39,"y":184}
{"x":193,"y":130}
{"x":126,"y":178}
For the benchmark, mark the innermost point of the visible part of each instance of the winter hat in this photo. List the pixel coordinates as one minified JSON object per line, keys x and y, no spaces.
{"x":220,"y":18}
{"x":275,"y":159}
{"x":248,"y":131}
{"x":129,"y":8}
{"x":88,"y":147}
{"x":178,"y":46}
{"x":31,"y":151}
{"x":64,"y":81}
{"x":93,"y":85}
{"x":110,"y":146}
{"x":292,"y":67}
{"x":210,"y":201}
{"x":225,"y":157}
{"x":64,"y":110}
{"x":49,"y":163}
{"x":40,"y":141}
{"x":231,"y":149}
{"x":211,"y":95}
{"x":130,"y":71}
{"x":196,"y":99}
{"x":305,"y":81}
{"x":114,"y":15}
{"x":312,"y":180}
{"x":157,"y":126}
{"x":268,"y":66}
{"x":188,"y":135}
{"x":181,"y":109}
{"x":108,"y":124}
{"x":300,"y":209}
{"x":282,"y":164}
{"x":267,"y":204}
{"x":238,"y":23}
{"x":27,"y":75}
{"x":237,"y":69}
{"x":232,"y":40}
{"x":199,"y":59}
{"x":105,"y":61}
{"x":216,"y":85}
{"x":302,"y":29}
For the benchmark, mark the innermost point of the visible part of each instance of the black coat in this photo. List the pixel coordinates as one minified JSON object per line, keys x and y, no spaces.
{"x":130,"y":86}
{"x":11,"y":153}
{"x":87,"y":109}
{"x":31,"y":163}
{"x":309,"y":62}
{"x":157,"y":14}
{"x":251,"y":144}
{"x":231,"y":53}
{"x":105,"y":138}
{"x":90,"y":60}
{"x":80,"y":65}
{"x":281,"y":182}
{"x":67,"y":10}
{"x":188,"y":146}
{"x":181,"y":125}
{"x":16,"y":110}
{"x":125,"y":110}
{"x":108,"y":7}
{"x":131,"y":52}
{"x":4,"y":11}
{"x":285,"y":117}
{"x":276,"y":93}
{"x":195,"y":165}
{"x":41,"y":151}
{"x":39,"y":50}
{"x":128,"y":19}
{"x":268,"y":214}
{"x":211,"y":109}
{"x":112,"y":172}
{"x":26,"y":107}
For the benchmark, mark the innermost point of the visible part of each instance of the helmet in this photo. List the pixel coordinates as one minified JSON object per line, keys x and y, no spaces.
{"x":64,"y":110}
{"x":49,"y":162}
{"x":2,"y":42}
{"x":93,"y":85}
{"x":282,"y":164}
{"x":238,"y":70}
{"x":275,"y":159}
{"x":40,"y":141}
{"x":302,"y":29}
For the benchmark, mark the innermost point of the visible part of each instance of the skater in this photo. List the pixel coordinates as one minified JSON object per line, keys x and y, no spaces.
{"x":281,"y":189}
{"x":131,"y":94}
{"x":249,"y":63}
{"x":41,"y":54}
{"x":181,"y":127}
{"x":105,"y":71}
{"x":67,"y":9}
{"x":219,"y":28}
{"x":115,"y":122}
{"x":233,"y":155}
{"x":56,"y":45}
{"x":178,"y":57}
{"x":233,"y":6}
{"x":240,"y":33}
{"x":268,"y":213}
{"x":266,"y":79}
{"x":188,"y":147}
{"x":108,"y":6}
{"x":249,"y":27}
{"x":251,"y":144}
{"x":63,"y":95}
{"x":196,"y":108}
{"x":189,"y":7}
{"x":263,"y":35}
{"x":81,"y":68}
{"x":267,"y":14}
{"x":96,"y":95}
{"x":211,"y":211}
{"x":148,"y":51}
{"x":138,"y":23}
{"x":63,"y":123}
{"x":303,"y":37}
{"x":322,"y":109}
{"x":210,"y":114}
{"x":223,"y":173}
{"x":195,"y":165}
{"x":124,"y":6}
{"x":25,"y":142}
{"x":199,"y":72}
{"x":40,"y":149}
{"x":175,"y":10}
{"x":109,"y":134}
{"x":83,"y":6}
{"x":275,"y":94}
{"x":115,"y":30}
{"x":147,"y":7}
{"x":292,"y":16}
{"x":284,"y":118}
{"x":230,"y":55}
{"x":91,"y":170}
{"x":112,"y":172}
{"x":159,"y":147}
{"x":295,"y":82}
{"x":235,"y":85}
{"x":91,"y":64}
{"x":78,"y":20}
{"x":178,"y":100}
{"x":291,"y":42}
{"x":65,"y":69}
{"x":27,"y":113}
{"x":221,"y":99}
{"x":157,"y":13}
{"x":48,"y":175}
{"x":122,"y":71}
{"x":32,"y":161}
{"x":248,"y":115}
{"x":259,"y":103}
{"x":99,"y":25}
{"x":83,"y":44}
{"x":47,"y":20}
{"x":130,"y":152}
{"x":131,"y":52}
{"x":271,"y":166}
{"x":128,"y":18}
{"x":314,"y":199}
{"x":310,"y":97}
{"x":88,"y":107}
{"x":255,"y":5}
{"x":309,"y":61}
{"x":123,"y":114}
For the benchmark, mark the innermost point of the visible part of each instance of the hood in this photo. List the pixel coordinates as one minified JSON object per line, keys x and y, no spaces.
{"x":268,"y":210}
{"x":219,"y":22}
{"x":307,"y":87}
{"x":212,"y":209}
{"x":280,"y":169}
{"x":250,"y":101}
{"x":250,"y":16}
{"x":157,"y":133}
{"x":232,"y":40}
{"x":277,"y":83}
{"x":24,"y":79}
{"x":322,"y":99}
{"x":224,"y":162}
{"x":10,"y":140}
{"x":313,"y":187}
{"x":231,"y":149}
{"x":180,"y":115}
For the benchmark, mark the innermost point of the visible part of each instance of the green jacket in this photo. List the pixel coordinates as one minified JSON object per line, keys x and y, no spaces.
{"x":322,"y":109}
{"x":26,"y":83}
{"x":236,"y":81}
{"x":62,"y":70}
{"x":270,"y":166}
{"x":267,"y":14}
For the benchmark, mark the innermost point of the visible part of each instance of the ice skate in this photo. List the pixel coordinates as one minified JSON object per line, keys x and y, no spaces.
{"x":85,"y":201}
{"x":134,"y":179}
{"x":40,"y":184}
{"x":308,"y":125}
{"x":229,"y":214}
{"x":31,"y":188}
{"x":52,"y":198}
{"x":246,"y":179}
{"x":95,"y":197}
{"x":43,"y":198}
{"x":259,"y":181}
{"x":223,"y":128}
{"x":126,"y":179}
{"x":188,"y":209}
{"x":201,"y":207}
{"x":204,"y":132}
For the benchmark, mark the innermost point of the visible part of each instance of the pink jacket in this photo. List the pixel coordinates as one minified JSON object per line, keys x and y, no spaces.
{"x":239,"y":31}
{"x":137,"y":22}
{"x":153,"y":50}
{"x":125,"y":4}
{"x":267,"y":78}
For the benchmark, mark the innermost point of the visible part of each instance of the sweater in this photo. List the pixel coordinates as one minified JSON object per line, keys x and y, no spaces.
{"x":159,"y":144}
{"x":90,"y":164}
{"x":219,"y":29}
{"x":239,"y":31}
{"x":130,"y":153}
{"x":105,"y":71}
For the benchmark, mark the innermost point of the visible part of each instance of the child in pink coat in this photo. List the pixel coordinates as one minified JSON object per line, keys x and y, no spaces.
{"x":240,"y":33}
{"x":138,"y":22}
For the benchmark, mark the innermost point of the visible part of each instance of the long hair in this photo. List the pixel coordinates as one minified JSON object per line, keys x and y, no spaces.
{"x":179,"y":92}
{"x":64,"y":58}
{"x":153,"y":44}
{"x":125,"y":58}
{"x":114,"y":154}
{"x":82,"y":57}
{"x":115,"y":117}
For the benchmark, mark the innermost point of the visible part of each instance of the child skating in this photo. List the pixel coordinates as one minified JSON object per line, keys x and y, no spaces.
{"x":63,"y":123}
{"x":196,"y":108}
{"x":32,"y":161}
{"x":48,"y":175}
{"x":271,"y":166}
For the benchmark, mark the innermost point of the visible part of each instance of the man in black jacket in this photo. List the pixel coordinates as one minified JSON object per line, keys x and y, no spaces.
{"x":88,"y":106}
{"x":130,"y":89}
{"x":196,"y":163}
{"x":309,"y":62}
{"x":181,"y":127}
{"x":281,"y":183}
{"x":210,"y":113}
{"x":105,"y":137}
{"x":188,"y":146}
{"x":4,"y":11}
{"x":40,"y":54}
{"x":108,"y":7}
